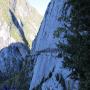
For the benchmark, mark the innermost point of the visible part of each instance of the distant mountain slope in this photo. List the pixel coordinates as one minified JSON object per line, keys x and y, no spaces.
{"x":23,"y":17}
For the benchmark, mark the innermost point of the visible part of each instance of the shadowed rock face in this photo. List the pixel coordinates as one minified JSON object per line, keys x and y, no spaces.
{"x":16,"y":51}
{"x":15,"y":67}
{"x":49,"y":73}
{"x":27,"y":17}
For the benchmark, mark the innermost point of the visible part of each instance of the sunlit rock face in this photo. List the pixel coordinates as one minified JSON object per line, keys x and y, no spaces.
{"x":27,"y":18}
{"x":49,"y":73}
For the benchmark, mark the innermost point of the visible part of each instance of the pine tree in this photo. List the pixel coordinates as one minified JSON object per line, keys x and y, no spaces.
{"x":76,"y":46}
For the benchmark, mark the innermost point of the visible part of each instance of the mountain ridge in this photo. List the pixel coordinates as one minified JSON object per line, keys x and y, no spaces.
{"x":26,"y":15}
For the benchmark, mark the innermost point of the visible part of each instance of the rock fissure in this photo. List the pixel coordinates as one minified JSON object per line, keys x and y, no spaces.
{"x":47,"y":50}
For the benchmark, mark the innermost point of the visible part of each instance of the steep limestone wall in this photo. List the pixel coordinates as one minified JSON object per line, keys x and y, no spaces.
{"x":49,"y":73}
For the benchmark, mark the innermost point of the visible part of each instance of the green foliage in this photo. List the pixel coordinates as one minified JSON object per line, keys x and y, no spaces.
{"x":68,"y":85}
{"x":58,"y":32}
{"x":76,"y":52}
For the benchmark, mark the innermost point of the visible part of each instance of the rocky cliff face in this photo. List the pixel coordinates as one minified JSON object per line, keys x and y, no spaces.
{"x":49,"y":73}
{"x":18,"y":22}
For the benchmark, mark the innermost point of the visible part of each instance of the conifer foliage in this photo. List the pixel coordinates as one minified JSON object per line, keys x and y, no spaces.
{"x":76,"y":46}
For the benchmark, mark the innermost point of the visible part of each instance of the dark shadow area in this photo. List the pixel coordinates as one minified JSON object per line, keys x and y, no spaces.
{"x":15,"y":67}
{"x":20,"y":28}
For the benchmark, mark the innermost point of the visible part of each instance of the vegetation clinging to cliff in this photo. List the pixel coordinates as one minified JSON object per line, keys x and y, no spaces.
{"x":76,"y":46}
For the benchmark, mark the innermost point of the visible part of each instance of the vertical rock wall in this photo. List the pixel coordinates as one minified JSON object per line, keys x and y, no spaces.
{"x":49,"y":73}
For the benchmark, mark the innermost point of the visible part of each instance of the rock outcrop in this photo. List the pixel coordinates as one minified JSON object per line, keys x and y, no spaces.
{"x":16,"y":65}
{"x":16,"y":52}
{"x":49,"y":73}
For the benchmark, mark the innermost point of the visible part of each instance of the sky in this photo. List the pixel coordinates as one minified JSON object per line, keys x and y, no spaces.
{"x":40,"y":5}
